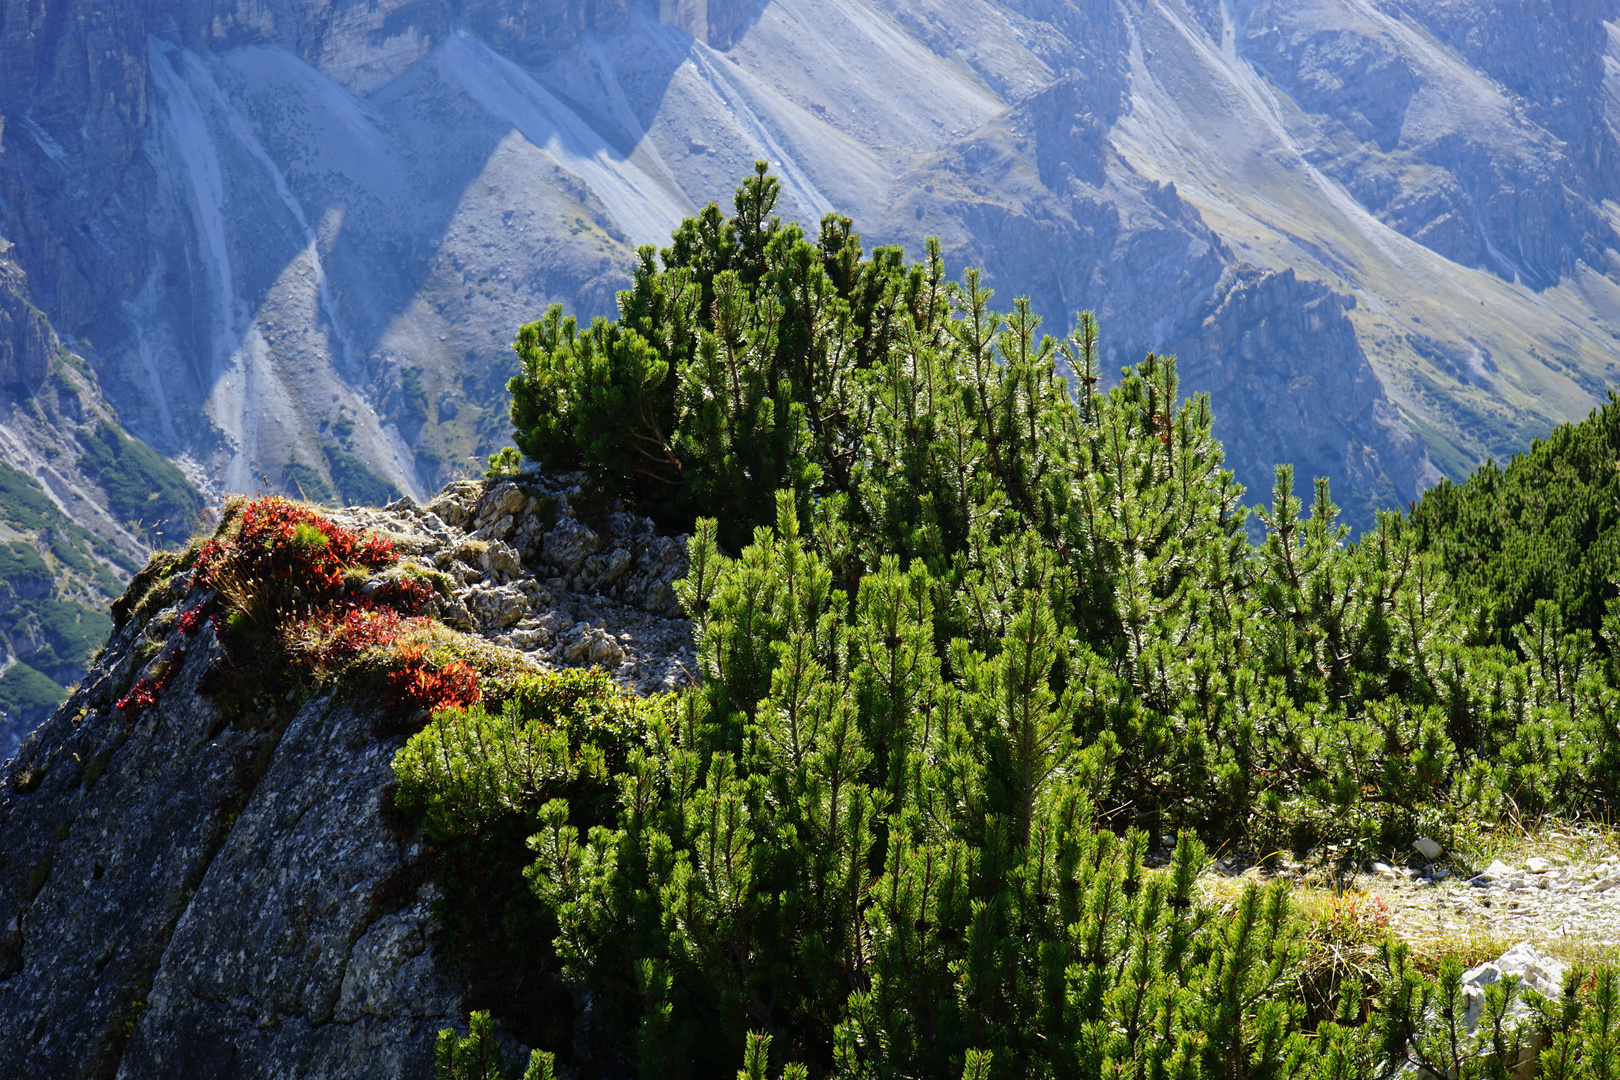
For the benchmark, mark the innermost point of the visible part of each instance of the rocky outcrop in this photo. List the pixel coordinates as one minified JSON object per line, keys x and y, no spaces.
{"x":714,"y":22}
{"x":554,"y":571}
{"x":27,"y":342}
{"x":1282,"y":365}
{"x":171,"y":911}
{"x":192,"y":891}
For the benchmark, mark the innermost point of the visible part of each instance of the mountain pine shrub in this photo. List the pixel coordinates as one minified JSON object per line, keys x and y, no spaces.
{"x":477,"y":1055}
{"x":1544,"y":527}
{"x":970,"y":640}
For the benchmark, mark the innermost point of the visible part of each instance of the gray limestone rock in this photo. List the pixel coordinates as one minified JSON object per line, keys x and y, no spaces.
{"x":497,"y":607}
{"x":190,"y":892}
{"x":568,"y":543}
{"x":1430,"y":849}
{"x":174,"y":913}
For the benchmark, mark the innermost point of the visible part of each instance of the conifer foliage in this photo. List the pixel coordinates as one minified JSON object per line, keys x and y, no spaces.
{"x":971,"y":642}
{"x":1544,"y":527}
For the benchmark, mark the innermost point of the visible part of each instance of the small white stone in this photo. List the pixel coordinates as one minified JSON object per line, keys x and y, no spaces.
{"x":1538,"y":865}
{"x":1429,"y":849}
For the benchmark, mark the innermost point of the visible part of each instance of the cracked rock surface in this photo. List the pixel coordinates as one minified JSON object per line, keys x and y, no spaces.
{"x":190,"y":893}
{"x":542,"y":566}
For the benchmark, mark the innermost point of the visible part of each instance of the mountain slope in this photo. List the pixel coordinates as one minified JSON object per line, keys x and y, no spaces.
{"x":296,"y":238}
{"x":80,"y":505}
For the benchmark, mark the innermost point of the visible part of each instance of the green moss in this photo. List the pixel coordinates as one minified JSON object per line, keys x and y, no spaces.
{"x":147,"y":592}
{"x":498,"y":668}
{"x":438,"y":579}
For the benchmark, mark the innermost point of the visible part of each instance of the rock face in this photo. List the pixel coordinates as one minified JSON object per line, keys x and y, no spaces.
{"x":27,"y":342}
{"x":1280,"y":359}
{"x":152,"y":935}
{"x":187,"y":892}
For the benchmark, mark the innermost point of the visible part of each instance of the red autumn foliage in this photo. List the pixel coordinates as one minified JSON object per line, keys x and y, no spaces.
{"x":288,"y":563}
{"x":352,"y":631}
{"x":414,"y":683}
{"x":408,"y":595}
{"x":144,"y":694}
{"x":192,"y":618}
{"x":282,"y":543}
{"x":286,"y":604}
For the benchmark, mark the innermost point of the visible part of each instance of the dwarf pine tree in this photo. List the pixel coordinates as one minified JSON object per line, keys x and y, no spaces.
{"x":973,"y":637}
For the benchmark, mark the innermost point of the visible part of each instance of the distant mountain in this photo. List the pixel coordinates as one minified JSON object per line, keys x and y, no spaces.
{"x":80,"y":504}
{"x":293,"y":238}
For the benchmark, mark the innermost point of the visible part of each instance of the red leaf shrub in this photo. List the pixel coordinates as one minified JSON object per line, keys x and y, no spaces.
{"x":407,"y":595}
{"x":290,"y":607}
{"x":290,"y":548}
{"x":290,"y":603}
{"x":415,"y":683}
{"x":144,"y":694}
{"x":343,"y":635}
{"x":191,"y":618}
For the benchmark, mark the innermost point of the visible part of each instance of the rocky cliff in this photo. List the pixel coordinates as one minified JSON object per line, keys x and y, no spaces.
{"x":203,"y":889}
{"x":1280,"y":359}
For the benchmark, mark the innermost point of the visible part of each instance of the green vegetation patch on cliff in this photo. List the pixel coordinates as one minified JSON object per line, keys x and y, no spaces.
{"x":25,"y":691}
{"x":24,"y":503}
{"x":143,"y":488}
{"x":357,"y":483}
{"x":57,"y":582}
{"x":307,"y":482}
{"x":22,"y":566}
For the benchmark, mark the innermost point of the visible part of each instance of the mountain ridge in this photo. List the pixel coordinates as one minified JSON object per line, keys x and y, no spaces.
{"x":336,"y":212}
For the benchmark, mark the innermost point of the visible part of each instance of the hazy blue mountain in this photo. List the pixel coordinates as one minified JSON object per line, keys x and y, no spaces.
{"x":293,"y":237}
